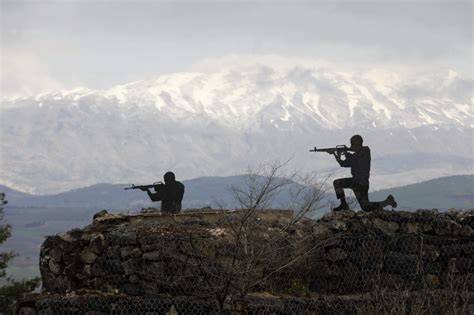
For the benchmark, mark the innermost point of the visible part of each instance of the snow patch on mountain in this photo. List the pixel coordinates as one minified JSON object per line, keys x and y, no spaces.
{"x":219,"y":122}
{"x":334,"y":99}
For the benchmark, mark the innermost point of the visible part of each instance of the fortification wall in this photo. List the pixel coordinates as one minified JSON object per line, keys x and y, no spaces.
{"x":344,"y":261}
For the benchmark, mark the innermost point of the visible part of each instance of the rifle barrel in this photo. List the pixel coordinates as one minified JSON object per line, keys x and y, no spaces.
{"x":141,"y":186}
{"x":132,"y":187}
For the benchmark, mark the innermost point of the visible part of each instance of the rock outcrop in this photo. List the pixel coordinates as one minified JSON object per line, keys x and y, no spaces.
{"x":218,"y":262}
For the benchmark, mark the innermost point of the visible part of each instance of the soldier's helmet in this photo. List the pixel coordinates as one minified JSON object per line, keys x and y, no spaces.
{"x":169,"y":177}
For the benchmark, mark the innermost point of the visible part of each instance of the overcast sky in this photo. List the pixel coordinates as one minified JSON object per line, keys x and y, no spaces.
{"x":63,"y":44}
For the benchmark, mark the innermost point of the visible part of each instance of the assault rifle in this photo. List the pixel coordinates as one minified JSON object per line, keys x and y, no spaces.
{"x":155,"y":185}
{"x":338,"y":150}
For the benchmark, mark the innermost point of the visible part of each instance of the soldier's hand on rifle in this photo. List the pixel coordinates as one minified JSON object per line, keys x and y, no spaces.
{"x":143,"y":189}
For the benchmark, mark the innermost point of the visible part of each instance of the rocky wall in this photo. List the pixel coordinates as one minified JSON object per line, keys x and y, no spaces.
{"x":342,"y":253}
{"x":152,"y":254}
{"x":391,"y":250}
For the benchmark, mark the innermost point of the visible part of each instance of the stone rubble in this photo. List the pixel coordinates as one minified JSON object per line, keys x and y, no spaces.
{"x":352,"y":253}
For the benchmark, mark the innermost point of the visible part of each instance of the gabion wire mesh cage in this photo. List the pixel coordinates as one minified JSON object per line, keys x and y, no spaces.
{"x":344,"y":263}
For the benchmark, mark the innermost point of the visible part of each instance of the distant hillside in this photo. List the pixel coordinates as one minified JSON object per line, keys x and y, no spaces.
{"x":199,"y":192}
{"x":441,"y":193}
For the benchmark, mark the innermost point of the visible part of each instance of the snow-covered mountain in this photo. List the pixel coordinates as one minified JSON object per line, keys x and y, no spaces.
{"x":206,"y":124}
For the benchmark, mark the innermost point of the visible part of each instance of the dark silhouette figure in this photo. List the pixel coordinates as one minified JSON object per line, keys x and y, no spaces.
{"x":170,"y":194}
{"x":359,"y":162}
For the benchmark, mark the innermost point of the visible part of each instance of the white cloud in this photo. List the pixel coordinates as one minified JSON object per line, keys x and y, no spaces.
{"x":88,"y":42}
{"x":381,"y":70}
{"x":23,"y":73}
{"x":242,"y":61}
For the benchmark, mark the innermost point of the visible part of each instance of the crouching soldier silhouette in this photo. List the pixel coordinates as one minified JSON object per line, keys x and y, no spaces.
{"x":170,"y":193}
{"x":359,"y":162}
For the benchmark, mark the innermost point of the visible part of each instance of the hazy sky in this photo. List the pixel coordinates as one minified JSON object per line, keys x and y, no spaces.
{"x":63,"y":44}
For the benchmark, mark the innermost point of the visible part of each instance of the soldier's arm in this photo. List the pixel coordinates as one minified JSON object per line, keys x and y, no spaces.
{"x":153,"y":196}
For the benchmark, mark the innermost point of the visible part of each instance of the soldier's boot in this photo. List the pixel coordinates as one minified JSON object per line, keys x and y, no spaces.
{"x":342,"y":206}
{"x":390,"y":201}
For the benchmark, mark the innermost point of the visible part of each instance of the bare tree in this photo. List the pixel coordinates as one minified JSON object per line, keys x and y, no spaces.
{"x":264,"y":183}
{"x":258,"y":249}
{"x":246,"y":251}
{"x":308,"y":198}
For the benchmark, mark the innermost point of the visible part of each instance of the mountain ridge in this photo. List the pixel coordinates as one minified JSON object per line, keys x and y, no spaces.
{"x":300,"y":89}
{"x":222,"y":122}
{"x":435,"y":193}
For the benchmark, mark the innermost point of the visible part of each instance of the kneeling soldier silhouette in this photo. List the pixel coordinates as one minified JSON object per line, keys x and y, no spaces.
{"x":359,"y":162}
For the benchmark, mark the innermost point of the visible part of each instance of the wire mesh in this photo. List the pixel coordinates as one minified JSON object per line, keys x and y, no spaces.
{"x":352,"y":263}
